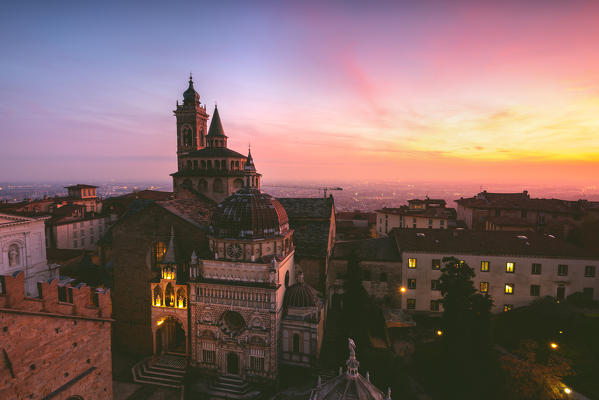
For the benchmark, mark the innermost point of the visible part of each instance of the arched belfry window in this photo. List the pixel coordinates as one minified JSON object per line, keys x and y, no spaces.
{"x":181,"y":298}
{"x":169,"y":296}
{"x":14,"y":255}
{"x":187,"y":136}
{"x":158,"y":296}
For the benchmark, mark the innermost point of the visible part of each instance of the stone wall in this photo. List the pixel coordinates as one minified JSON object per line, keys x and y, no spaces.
{"x":53,"y":349}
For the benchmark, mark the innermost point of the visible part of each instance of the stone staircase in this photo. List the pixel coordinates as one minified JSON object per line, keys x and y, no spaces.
{"x":230,"y":384}
{"x":167,"y":371}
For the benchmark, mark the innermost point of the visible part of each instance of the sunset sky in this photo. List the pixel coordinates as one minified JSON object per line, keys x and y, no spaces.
{"x":502,"y":92}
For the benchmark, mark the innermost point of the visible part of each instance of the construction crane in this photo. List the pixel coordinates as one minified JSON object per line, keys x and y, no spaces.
{"x":324,"y":189}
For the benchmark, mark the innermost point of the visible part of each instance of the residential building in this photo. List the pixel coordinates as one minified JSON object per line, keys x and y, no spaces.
{"x":380,"y":264}
{"x":73,"y":227}
{"x":508,"y":211}
{"x":513,"y":268}
{"x":418,"y":214}
{"x":353,"y":225}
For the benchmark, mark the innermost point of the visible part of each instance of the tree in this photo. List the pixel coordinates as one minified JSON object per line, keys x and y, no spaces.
{"x":531,"y":374}
{"x":467,"y":329}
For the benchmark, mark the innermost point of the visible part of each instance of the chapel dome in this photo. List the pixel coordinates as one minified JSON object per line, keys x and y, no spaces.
{"x":249,"y":214}
{"x":301,"y":295}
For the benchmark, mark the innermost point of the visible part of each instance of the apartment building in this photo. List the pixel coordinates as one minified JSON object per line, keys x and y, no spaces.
{"x":418,"y":214}
{"x":514,"y":268}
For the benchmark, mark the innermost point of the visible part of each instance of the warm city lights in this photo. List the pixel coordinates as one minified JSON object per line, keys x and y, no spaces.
{"x":290,"y":199}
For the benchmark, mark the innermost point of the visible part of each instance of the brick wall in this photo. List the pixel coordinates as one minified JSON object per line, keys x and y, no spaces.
{"x":132,"y":242}
{"x":51,"y":349}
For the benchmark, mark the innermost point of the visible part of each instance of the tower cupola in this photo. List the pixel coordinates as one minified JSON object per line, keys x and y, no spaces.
{"x":190,"y":96}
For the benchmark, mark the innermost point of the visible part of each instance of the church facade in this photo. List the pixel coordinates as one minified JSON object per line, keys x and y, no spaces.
{"x":236,"y":305}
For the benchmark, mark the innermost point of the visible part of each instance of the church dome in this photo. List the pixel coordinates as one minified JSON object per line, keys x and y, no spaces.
{"x":249,"y":214}
{"x":350,"y":385}
{"x":301,"y":295}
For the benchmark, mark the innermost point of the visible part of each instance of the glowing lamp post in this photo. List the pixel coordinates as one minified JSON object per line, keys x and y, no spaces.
{"x":567,"y":390}
{"x":439,"y":333}
{"x":553,"y":345}
{"x":402,"y":289}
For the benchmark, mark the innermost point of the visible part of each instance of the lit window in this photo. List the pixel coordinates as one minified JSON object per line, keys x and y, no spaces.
{"x":509,"y":288}
{"x":434,"y":305}
{"x":484,"y":287}
{"x":536,"y":269}
{"x":411,"y":304}
{"x":435,"y":284}
{"x":411,"y":283}
{"x":157,"y":296}
{"x":436,"y":264}
{"x":562,"y":270}
{"x":484,"y":266}
{"x":158,"y":251}
{"x":589,"y":271}
{"x":510,"y":267}
{"x":411,"y":263}
{"x":535,"y":290}
{"x":181,"y":298}
{"x":507,"y":307}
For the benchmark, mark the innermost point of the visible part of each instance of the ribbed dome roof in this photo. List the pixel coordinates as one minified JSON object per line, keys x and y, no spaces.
{"x":350,"y":385}
{"x":301,"y":295}
{"x":249,"y":214}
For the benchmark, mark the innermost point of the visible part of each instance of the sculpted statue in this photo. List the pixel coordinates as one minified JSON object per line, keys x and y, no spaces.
{"x":352,"y":348}
{"x":13,"y":256}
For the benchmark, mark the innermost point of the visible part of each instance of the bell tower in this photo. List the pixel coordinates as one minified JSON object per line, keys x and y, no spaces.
{"x":192,"y":121}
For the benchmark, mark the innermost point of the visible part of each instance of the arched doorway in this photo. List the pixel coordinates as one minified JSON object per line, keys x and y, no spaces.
{"x":170,"y":337}
{"x":232,"y":364}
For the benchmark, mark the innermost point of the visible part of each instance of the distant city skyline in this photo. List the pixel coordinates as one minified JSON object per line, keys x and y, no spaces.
{"x":467,"y":92}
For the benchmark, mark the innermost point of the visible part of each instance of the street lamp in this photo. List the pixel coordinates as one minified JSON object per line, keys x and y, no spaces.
{"x":567,"y":390}
{"x":553,"y":345}
{"x":402,"y":289}
{"x":439,"y":333}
